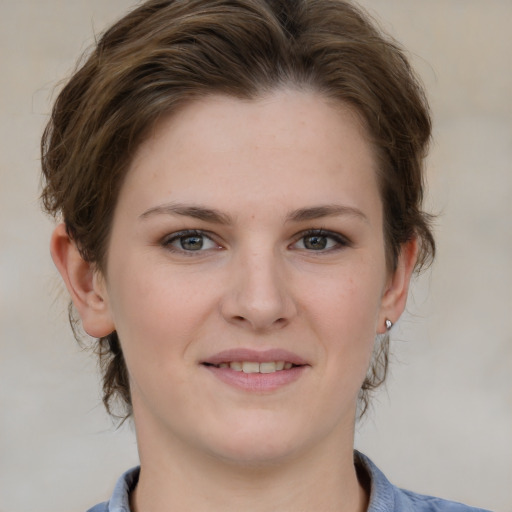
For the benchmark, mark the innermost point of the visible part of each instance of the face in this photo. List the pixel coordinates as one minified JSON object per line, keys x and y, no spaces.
{"x":246,"y":276}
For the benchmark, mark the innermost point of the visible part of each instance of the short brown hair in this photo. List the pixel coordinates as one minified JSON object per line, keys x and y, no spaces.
{"x":166,"y":53}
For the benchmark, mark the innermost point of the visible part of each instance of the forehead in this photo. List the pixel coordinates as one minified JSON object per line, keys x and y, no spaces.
{"x":279,"y":143}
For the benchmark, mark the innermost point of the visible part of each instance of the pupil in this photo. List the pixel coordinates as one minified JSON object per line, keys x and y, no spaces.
{"x":315,"y":242}
{"x":192,"y":243}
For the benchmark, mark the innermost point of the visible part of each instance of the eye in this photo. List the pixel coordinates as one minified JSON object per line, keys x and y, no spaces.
{"x":320,"y":240}
{"x":189,"y":241}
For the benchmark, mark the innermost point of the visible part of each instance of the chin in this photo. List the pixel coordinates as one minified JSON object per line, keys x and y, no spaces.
{"x":256,"y":455}
{"x":257,"y":442}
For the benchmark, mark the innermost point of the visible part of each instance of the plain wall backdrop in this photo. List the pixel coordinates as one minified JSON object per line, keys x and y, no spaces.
{"x":442,"y":425}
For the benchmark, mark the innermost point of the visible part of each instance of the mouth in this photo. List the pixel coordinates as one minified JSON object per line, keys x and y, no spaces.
{"x":254,"y":366}
{"x":256,"y":371}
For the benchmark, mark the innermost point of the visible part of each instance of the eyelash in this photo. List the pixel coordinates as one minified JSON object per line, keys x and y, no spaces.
{"x":187,"y":233}
{"x":340,"y":241}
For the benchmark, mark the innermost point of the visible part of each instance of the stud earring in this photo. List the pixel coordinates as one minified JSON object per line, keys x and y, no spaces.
{"x":389,"y":324}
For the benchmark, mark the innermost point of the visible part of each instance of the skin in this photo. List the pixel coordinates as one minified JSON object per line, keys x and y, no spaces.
{"x":272,"y":169}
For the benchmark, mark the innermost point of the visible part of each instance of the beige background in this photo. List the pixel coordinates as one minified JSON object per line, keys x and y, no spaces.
{"x":444,"y":424}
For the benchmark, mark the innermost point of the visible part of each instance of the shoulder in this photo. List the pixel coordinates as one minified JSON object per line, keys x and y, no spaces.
{"x":386,"y":497}
{"x":100,"y":507}
{"x":418,"y":502}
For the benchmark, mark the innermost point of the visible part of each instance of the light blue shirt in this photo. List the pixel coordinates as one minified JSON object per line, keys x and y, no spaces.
{"x":384,"y":496}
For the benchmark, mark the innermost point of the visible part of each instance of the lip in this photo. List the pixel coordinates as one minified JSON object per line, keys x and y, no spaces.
{"x":258,"y":356}
{"x":256,"y":382}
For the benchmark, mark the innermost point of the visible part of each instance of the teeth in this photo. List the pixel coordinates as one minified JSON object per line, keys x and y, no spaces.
{"x":249,"y":367}
{"x":254,"y":367}
{"x":267,"y":367}
{"x":236,"y":366}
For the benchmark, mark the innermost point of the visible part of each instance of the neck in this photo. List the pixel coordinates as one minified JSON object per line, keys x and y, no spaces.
{"x":178,"y":478}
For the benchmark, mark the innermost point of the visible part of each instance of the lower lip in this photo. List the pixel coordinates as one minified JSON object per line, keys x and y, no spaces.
{"x":257,"y":382}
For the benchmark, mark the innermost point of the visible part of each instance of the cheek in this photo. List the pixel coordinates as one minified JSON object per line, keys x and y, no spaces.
{"x":157,"y":322}
{"x":344,"y":312}
{"x":158,"y":311}
{"x":347,"y":304}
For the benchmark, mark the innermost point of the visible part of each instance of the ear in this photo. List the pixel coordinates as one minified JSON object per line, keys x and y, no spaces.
{"x":397,"y":288}
{"x":85,"y":285}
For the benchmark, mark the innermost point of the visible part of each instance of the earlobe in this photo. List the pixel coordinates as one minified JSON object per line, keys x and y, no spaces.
{"x":395,"y":295}
{"x":85,"y":285}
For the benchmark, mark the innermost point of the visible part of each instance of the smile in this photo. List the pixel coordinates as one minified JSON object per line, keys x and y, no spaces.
{"x":255,"y":367}
{"x":256,"y":371}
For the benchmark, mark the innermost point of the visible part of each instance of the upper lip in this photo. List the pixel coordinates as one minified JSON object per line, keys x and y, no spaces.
{"x":258,"y":356}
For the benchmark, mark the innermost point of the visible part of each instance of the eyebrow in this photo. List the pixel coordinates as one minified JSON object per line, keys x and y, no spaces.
{"x":197,"y":212}
{"x":218,"y":217}
{"x":332,"y":210}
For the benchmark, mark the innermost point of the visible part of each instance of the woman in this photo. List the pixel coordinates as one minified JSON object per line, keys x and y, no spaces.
{"x":240,"y":184}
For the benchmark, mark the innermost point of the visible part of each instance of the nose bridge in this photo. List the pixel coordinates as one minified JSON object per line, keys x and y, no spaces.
{"x":258,"y":295}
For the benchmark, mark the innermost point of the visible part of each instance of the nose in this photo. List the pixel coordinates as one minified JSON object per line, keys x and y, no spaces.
{"x":258,"y":295}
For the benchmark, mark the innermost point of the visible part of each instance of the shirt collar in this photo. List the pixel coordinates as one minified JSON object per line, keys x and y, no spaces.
{"x":382,"y":497}
{"x":382,"y":491}
{"x":120,"y":500}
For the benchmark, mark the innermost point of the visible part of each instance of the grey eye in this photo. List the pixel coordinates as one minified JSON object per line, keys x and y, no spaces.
{"x":191,"y":243}
{"x":319,"y":240}
{"x":315,"y":242}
